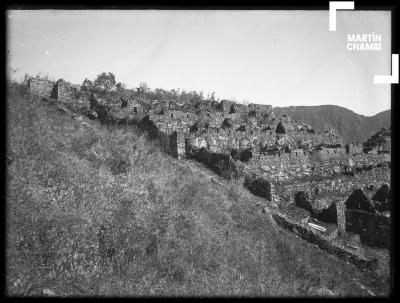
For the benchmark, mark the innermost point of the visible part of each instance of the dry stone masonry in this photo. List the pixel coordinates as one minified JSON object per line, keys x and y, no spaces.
{"x":310,"y":175}
{"x":40,"y":87}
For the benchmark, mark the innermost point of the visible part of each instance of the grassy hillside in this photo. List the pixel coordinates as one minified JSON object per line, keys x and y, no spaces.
{"x":94,"y":210}
{"x":348,"y":124}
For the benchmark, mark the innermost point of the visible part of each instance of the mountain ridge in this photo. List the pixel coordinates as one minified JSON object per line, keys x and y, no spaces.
{"x":350,"y":125}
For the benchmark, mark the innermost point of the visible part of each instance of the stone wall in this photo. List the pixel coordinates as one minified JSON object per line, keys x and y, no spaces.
{"x":298,"y":163}
{"x":40,"y":87}
{"x":361,"y":160}
{"x":178,"y":145}
{"x":339,"y":185}
{"x":281,"y":167}
{"x":324,"y":240}
{"x":305,"y":137}
{"x":172,"y":144}
{"x":222,"y":140}
{"x":225,"y":105}
{"x":134,"y":107}
{"x":221,"y":164}
{"x":354,"y":148}
{"x":173,"y":120}
{"x":374,"y":229}
{"x":260,"y":108}
{"x":65,"y":91}
{"x":341,"y":217}
{"x":165,"y":142}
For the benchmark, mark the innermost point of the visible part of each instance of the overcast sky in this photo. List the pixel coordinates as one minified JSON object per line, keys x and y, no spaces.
{"x":273,"y":57}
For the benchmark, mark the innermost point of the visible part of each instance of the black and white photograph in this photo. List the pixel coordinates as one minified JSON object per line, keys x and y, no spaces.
{"x":164,"y":152}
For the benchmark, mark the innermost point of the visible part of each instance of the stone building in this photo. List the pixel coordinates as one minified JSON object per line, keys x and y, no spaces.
{"x":134,"y":106}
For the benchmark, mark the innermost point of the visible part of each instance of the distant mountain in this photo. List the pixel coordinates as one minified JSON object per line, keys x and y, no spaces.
{"x":350,"y":125}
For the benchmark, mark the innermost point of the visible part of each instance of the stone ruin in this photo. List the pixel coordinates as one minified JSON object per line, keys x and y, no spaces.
{"x":40,"y":87}
{"x":307,"y":174}
{"x":63,"y":91}
{"x":60,"y":90}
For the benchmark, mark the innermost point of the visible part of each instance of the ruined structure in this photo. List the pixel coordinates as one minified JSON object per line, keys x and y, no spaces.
{"x":63,"y":91}
{"x":40,"y":87}
{"x":310,"y":176}
{"x":60,"y":90}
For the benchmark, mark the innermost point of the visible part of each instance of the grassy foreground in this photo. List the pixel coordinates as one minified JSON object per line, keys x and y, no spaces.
{"x":94,"y":211}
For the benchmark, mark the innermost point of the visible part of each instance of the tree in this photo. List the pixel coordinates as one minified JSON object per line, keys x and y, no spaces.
{"x":86,"y":85}
{"x":120,"y":86}
{"x":105,"y":81}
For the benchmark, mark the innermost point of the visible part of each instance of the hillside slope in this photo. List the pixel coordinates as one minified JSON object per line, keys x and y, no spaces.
{"x":96,"y":210}
{"x":350,"y":125}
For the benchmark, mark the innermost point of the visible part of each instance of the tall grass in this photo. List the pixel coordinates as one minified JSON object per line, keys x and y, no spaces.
{"x":101,"y":211}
